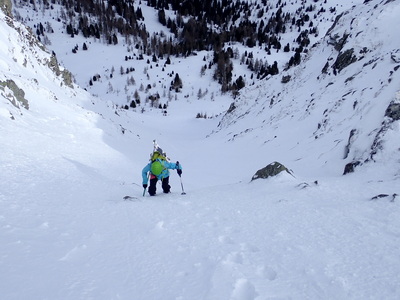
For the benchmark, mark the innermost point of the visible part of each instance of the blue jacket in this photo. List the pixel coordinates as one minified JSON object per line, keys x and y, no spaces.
{"x":165,"y":173}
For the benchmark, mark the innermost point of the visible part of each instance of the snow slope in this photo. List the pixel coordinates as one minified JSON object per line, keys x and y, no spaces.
{"x":320,"y":121}
{"x":67,"y":233}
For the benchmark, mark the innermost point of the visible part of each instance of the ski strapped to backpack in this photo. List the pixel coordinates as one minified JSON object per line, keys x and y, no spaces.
{"x":157,"y":158}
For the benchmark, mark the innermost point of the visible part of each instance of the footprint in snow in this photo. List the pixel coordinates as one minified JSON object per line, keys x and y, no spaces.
{"x":225,"y":239}
{"x":249,"y":248}
{"x":243,"y":290}
{"x":266,"y":272}
{"x":234,"y":258}
{"x":160,"y":225}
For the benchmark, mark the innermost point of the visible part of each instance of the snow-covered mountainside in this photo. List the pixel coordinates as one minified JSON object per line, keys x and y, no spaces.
{"x":339,"y":97}
{"x":255,"y":36}
{"x":68,"y":158}
{"x":340,"y":107}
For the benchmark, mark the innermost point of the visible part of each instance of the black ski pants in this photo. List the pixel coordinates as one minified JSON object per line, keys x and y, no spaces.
{"x":164,"y":184}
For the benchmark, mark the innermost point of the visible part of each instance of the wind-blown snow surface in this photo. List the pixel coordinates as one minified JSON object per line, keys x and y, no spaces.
{"x":66,"y":232}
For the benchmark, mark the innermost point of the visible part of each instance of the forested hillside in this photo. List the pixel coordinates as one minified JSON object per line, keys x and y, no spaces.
{"x":288,"y":28}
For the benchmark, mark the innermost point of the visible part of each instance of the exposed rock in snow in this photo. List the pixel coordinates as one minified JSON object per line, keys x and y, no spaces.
{"x":393,"y":111}
{"x":271,"y":170}
{"x":14,"y":94}
{"x":395,"y":55}
{"x":344,"y":59}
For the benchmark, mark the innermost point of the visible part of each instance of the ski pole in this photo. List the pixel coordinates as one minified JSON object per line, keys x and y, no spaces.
{"x":144,"y":189}
{"x":180,"y":177}
{"x":183,"y":191}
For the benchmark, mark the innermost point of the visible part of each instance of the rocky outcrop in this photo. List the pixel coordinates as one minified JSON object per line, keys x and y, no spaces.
{"x":395,"y":56}
{"x":344,"y":59}
{"x":349,"y":168}
{"x":392,"y":115}
{"x":6,"y":6}
{"x":270,"y":170}
{"x":350,"y":141}
{"x":393,"y":111}
{"x":14,"y":94}
{"x":55,"y":67}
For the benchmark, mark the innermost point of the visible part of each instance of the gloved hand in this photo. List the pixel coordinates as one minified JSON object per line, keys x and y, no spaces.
{"x":178,"y":168}
{"x":145,"y":186}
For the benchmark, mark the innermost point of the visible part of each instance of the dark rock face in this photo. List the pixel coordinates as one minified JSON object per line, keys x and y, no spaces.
{"x":349,"y":168}
{"x":353,"y":132}
{"x":286,"y":79}
{"x":395,"y":56}
{"x":393,"y":111}
{"x":231,"y":108}
{"x":272,"y":169}
{"x":392,"y":115}
{"x":344,"y":59}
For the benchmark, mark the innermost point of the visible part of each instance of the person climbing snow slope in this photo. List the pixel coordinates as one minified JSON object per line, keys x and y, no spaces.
{"x":158,"y":169}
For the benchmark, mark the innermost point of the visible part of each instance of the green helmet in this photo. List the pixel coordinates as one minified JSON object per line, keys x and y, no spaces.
{"x":156,"y":168}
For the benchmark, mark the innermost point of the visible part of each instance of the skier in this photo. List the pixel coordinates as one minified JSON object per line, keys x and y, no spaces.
{"x":157,"y":168}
